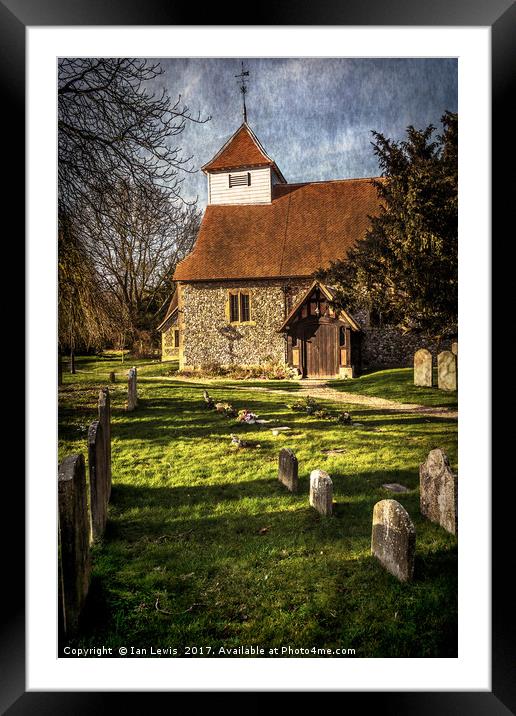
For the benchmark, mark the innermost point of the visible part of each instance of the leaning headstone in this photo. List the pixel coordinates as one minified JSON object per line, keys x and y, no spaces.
{"x":321,"y":492}
{"x":287,"y":472}
{"x":447,"y":371}
{"x":74,"y":541}
{"x":438,"y":490}
{"x":455,"y":348}
{"x":98,"y":479}
{"x":112,"y":377}
{"x":132,"y":389}
{"x":104,"y":406}
{"x":423,"y":368}
{"x":393,"y":539}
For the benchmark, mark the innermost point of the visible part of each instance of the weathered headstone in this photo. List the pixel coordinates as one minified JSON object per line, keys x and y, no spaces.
{"x":74,"y":541}
{"x":455,"y":348}
{"x":112,"y":377}
{"x":438,"y":490}
{"x":105,"y":419}
{"x":132,"y":389}
{"x":447,"y":371}
{"x":423,"y":368}
{"x":393,"y":539}
{"x":98,"y":479}
{"x":288,"y":468}
{"x":321,"y":492}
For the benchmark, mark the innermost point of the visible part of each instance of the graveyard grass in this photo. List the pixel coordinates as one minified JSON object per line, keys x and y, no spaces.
{"x":397,"y":384}
{"x":204,"y":546}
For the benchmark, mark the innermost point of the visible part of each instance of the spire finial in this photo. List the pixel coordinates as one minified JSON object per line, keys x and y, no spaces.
{"x":243,"y":88}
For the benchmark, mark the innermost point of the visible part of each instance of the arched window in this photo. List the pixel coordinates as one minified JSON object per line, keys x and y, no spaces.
{"x":342,"y":336}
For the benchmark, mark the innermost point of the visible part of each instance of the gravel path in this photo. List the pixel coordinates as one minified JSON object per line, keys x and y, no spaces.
{"x":319,"y":389}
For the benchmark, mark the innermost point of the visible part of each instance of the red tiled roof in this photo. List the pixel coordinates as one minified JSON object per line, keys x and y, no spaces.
{"x":301,"y":230}
{"x":242,"y":150}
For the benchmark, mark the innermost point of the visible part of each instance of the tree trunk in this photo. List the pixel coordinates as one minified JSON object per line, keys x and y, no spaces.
{"x":59,"y":368}
{"x":72,"y":361}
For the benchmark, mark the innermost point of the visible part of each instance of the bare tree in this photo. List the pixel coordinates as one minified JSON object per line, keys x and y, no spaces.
{"x":111,"y":128}
{"x":115,"y":134}
{"x":135,"y":246}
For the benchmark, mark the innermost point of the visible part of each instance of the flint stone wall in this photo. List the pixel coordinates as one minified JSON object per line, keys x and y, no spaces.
{"x":387,"y":347}
{"x":209,"y":337}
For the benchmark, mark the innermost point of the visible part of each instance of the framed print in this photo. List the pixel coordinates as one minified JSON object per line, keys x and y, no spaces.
{"x":177,"y":569}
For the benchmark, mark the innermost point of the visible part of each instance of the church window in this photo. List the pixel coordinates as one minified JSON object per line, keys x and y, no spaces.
{"x":233,"y":308}
{"x":239,"y":306}
{"x":176,"y":338}
{"x":244,"y":307}
{"x":342,"y":336}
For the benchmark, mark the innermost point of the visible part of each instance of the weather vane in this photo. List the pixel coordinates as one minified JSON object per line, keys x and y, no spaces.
{"x":243,"y":88}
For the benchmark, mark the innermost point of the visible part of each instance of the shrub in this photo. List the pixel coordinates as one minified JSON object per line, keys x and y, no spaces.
{"x":212,"y":368}
{"x":269,"y":370}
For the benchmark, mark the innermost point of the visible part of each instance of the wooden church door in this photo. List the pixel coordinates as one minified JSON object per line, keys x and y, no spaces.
{"x":321,"y":350}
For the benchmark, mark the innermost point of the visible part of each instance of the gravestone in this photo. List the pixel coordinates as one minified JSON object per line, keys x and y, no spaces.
{"x":132,"y":389}
{"x":98,"y":479}
{"x":423,"y":368}
{"x":321,"y":492}
{"x":438,"y":490}
{"x":393,"y":539}
{"x":455,"y":348}
{"x":112,"y":377}
{"x":74,"y":541}
{"x":446,"y":371}
{"x":288,"y":468}
{"x":105,"y":419}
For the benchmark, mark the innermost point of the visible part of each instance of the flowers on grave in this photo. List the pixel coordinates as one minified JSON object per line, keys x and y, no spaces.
{"x":322,"y":413}
{"x":246,"y":416}
{"x":308,"y":405}
{"x":227,"y":409}
{"x":240,"y":443}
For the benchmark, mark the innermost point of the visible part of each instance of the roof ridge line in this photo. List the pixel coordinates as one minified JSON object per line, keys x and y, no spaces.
{"x":331,"y":181}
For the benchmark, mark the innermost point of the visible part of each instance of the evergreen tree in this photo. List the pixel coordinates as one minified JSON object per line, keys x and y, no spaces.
{"x":405,"y":268}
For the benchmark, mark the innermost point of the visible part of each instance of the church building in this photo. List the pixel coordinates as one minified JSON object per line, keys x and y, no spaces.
{"x":246,"y":293}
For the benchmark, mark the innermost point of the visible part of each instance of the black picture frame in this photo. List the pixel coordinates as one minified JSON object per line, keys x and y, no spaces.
{"x":500,"y":16}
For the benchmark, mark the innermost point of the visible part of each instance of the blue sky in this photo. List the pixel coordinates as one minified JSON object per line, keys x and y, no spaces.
{"x":313,"y":116}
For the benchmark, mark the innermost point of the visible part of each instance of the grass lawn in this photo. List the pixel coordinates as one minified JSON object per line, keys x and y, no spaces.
{"x":396,"y":384}
{"x":204,"y":547}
